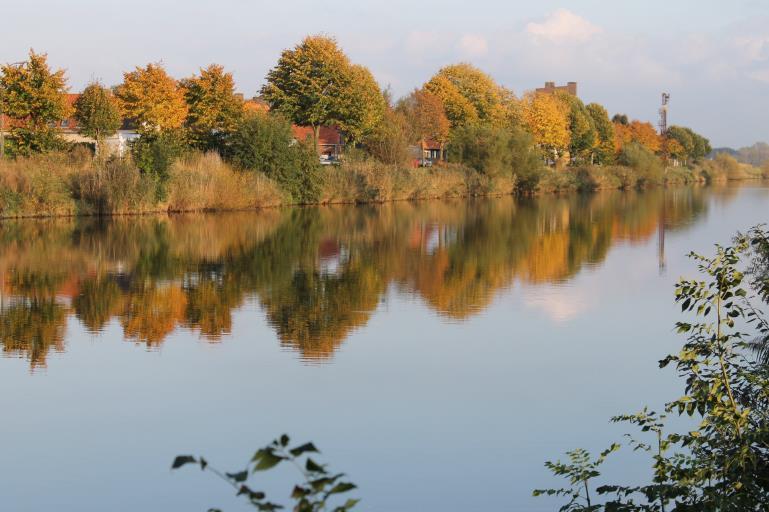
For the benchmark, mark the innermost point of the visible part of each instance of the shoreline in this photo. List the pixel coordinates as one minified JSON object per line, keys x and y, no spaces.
{"x":359,"y":201}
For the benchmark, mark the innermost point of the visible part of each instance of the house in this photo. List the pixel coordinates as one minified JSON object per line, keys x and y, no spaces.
{"x":550,"y":88}
{"x":330,"y":141}
{"x":428,"y":152}
{"x":116,"y":144}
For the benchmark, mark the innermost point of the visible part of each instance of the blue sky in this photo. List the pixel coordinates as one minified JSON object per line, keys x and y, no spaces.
{"x":712,"y":56}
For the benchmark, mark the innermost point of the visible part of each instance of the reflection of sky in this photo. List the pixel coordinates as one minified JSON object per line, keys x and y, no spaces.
{"x":423,"y":413}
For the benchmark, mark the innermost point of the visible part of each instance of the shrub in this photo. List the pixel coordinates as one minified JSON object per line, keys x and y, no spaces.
{"x":647,"y":166}
{"x":265,"y":143}
{"x":388,"y":142}
{"x":154,"y":154}
{"x":496,"y":152}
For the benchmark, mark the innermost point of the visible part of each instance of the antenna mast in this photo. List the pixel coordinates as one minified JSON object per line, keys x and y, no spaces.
{"x":663,"y":124}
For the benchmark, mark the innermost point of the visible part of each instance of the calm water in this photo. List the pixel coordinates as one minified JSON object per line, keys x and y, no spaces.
{"x":437,"y":352}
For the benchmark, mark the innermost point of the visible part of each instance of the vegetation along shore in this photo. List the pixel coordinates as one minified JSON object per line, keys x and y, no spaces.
{"x":320,"y":131}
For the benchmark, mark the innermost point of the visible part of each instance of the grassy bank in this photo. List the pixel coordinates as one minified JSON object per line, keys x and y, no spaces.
{"x":75,"y":184}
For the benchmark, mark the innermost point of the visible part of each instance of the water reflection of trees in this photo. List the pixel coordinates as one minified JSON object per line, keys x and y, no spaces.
{"x":317,"y":273}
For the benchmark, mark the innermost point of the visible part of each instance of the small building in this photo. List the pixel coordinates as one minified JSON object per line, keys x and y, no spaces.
{"x":550,"y":88}
{"x":330,"y":141}
{"x":427,"y":153}
{"x":116,"y":144}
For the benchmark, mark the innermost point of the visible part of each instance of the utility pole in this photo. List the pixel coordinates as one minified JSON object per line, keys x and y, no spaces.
{"x":2,"y":116}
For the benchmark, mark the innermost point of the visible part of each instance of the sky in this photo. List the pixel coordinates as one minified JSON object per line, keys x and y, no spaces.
{"x":711,"y":56}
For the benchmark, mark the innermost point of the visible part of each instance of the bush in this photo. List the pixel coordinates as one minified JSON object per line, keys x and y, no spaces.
{"x":496,"y":152}
{"x":265,"y":143}
{"x":647,"y":166}
{"x":154,"y":154}
{"x":388,"y":142}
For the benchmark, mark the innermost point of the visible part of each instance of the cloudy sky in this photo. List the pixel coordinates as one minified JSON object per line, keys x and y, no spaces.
{"x":711,"y":55}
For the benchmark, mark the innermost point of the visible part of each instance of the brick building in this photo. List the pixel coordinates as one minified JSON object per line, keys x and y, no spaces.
{"x":550,"y":88}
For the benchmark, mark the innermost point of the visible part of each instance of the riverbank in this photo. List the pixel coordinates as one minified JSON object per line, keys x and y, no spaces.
{"x":74,"y":184}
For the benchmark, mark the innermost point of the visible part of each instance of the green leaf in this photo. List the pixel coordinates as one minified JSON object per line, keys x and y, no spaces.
{"x":266,"y":459}
{"x":182,"y":460}
{"x":240,"y":476}
{"x":342,"y":487}
{"x":314,"y":467}
{"x":305,"y":448}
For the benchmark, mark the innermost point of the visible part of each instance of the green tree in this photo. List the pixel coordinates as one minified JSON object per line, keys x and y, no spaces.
{"x":97,"y":113}
{"x":582,"y":132}
{"x":603,"y":150}
{"x":498,"y":152}
{"x":35,"y":97}
{"x":215,"y":110}
{"x":314,"y":84}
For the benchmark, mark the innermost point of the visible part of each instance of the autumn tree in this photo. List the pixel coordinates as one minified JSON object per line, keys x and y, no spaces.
{"x":603,"y":149}
{"x":425,"y":116}
{"x":470,"y":96}
{"x":642,"y":133}
{"x":646,"y":135}
{"x":214,"y":108}
{"x":547,"y":119}
{"x":152,"y":98}
{"x":35,"y":97}
{"x":315,"y":84}
{"x":97,"y":113}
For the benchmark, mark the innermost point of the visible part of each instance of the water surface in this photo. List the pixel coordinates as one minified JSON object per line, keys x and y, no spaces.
{"x":437,"y":352}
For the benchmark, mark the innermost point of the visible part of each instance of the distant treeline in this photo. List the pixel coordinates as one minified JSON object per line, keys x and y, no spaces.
{"x":497,"y":142}
{"x":756,"y":155}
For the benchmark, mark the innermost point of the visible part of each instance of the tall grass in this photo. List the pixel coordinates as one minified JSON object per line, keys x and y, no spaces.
{"x":205,"y":182}
{"x":372,"y":181}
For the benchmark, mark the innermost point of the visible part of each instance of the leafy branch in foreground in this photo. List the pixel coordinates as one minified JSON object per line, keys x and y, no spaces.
{"x":318,"y":488}
{"x":723,"y":464}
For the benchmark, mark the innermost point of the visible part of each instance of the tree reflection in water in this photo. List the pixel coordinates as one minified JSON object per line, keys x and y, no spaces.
{"x":318,"y":273}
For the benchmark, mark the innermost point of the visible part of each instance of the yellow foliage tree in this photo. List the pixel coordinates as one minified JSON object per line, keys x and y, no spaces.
{"x":35,"y":97}
{"x":471,"y":96}
{"x":214,"y":108}
{"x":547,"y":119}
{"x":152,"y":98}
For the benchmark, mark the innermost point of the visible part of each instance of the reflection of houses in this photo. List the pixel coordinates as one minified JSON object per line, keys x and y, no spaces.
{"x":428,"y":152}
{"x":550,"y":88}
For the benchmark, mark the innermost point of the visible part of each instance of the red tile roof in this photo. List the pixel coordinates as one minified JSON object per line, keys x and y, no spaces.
{"x":328,"y":135}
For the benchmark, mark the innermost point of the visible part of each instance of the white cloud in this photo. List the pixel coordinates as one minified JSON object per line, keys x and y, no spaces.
{"x":753,"y":48}
{"x":563,"y":26}
{"x":559,"y":304}
{"x":472,"y":45}
{"x":761,"y":75}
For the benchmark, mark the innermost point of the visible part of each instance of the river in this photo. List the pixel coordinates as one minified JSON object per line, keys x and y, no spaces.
{"x":437,"y":352}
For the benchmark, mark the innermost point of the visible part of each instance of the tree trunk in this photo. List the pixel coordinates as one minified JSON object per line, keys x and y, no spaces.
{"x":315,"y":136}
